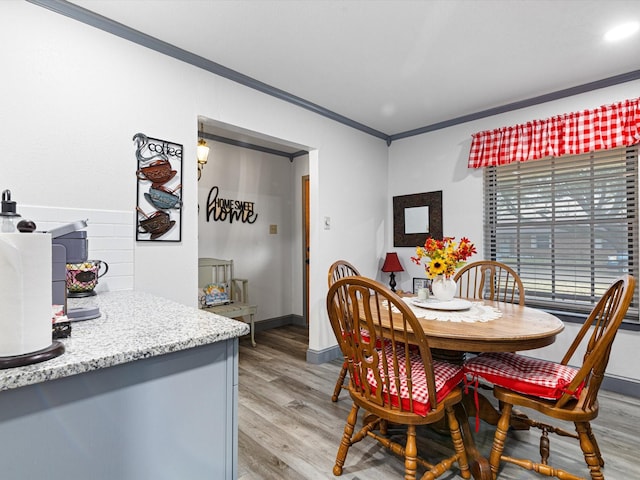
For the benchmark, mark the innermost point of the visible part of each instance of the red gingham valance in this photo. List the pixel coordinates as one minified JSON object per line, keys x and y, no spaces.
{"x":605,"y":127}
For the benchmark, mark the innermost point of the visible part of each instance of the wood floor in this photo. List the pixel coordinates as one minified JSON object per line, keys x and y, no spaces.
{"x":290,"y":429}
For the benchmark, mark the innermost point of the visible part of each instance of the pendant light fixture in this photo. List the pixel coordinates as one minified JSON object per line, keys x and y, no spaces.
{"x":202,"y":153}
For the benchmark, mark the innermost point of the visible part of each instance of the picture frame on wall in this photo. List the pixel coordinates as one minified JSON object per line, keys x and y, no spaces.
{"x":159,"y":189}
{"x":416,"y":217}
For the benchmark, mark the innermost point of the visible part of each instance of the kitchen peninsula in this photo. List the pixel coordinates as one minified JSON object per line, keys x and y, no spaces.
{"x":148,"y":390}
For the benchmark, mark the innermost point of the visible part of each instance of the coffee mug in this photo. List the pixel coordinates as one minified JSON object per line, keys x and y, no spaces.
{"x":83,"y":277}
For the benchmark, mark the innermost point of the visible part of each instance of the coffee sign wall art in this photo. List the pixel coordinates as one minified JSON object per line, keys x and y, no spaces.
{"x":159,"y":189}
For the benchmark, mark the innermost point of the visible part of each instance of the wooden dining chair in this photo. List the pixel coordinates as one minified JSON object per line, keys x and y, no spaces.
{"x":338,"y":270}
{"x":489,"y":280}
{"x":557,"y":390}
{"x":393,"y":381}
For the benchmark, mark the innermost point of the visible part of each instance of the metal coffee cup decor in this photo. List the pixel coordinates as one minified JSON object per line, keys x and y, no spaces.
{"x":157,"y":224}
{"x":159,"y":189}
{"x":162,"y":198}
{"x":157,"y":172}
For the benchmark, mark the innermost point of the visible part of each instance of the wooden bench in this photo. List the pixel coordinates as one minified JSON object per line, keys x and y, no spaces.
{"x":216,"y":271}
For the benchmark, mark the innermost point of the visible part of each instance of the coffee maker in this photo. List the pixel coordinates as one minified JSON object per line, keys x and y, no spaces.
{"x":70,"y":248}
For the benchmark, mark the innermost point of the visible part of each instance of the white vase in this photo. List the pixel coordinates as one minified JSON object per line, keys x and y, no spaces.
{"x":443,"y":288}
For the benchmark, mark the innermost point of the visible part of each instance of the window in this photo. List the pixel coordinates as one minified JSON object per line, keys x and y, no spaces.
{"x":567,"y":225}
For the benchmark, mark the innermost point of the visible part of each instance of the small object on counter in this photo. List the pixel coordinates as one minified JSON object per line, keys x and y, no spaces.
{"x":26,"y":226}
{"x":61,"y":330}
{"x":57,"y":312}
{"x":9,"y":214}
{"x":61,"y":325}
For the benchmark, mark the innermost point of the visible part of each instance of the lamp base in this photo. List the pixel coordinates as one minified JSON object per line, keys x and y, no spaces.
{"x":392,"y":281}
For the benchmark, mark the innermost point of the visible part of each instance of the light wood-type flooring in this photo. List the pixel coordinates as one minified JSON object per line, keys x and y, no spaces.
{"x":290,"y":429}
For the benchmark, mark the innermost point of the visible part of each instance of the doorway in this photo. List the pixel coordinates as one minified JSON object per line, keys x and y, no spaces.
{"x":275,"y":269}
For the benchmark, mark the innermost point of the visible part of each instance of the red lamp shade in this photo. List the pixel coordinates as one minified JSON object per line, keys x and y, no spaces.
{"x":392,"y":263}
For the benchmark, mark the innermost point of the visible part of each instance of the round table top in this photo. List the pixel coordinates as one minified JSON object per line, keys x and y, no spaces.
{"x":518,"y":328}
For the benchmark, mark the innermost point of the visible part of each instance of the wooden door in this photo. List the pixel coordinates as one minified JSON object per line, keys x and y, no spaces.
{"x":305,"y":203}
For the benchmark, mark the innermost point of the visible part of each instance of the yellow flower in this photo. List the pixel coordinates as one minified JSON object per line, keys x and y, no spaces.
{"x":437,"y":267}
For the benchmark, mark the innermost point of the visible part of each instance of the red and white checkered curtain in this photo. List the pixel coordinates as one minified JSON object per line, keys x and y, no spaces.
{"x":606,"y":127}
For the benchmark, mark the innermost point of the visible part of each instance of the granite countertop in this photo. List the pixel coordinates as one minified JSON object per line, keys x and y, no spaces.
{"x":133,"y":325}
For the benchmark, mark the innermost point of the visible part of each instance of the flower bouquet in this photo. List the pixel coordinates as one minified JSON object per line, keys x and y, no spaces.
{"x":445,"y":257}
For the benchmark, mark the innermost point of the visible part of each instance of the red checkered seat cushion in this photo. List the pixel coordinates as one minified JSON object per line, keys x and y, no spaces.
{"x":522,"y":374}
{"x":447,"y":376}
{"x":364,"y":333}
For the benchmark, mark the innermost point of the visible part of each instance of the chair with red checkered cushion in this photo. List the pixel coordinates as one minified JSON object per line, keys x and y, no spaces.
{"x":393,"y":377}
{"x":340,"y":269}
{"x":557,"y":390}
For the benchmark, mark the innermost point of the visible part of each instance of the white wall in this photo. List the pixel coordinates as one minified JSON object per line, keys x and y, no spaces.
{"x":441,"y":158}
{"x":73,"y":97}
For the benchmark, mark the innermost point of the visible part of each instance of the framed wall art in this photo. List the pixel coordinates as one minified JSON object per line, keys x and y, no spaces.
{"x":159,"y":189}
{"x":416,"y":217}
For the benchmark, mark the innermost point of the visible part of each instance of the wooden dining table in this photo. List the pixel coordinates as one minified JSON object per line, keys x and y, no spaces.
{"x":511,"y":328}
{"x":517,"y":328}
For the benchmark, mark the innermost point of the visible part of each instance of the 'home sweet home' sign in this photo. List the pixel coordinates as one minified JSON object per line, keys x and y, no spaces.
{"x":222,"y":209}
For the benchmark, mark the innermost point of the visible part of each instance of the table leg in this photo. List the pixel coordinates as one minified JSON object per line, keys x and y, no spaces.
{"x":478,"y":464}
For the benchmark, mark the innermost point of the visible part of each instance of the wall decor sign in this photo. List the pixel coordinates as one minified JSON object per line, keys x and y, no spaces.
{"x":159,"y":189}
{"x":225,"y":209}
{"x":416,"y":217}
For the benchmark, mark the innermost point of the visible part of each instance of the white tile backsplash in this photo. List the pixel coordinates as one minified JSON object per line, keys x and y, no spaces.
{"x":110,"y":235}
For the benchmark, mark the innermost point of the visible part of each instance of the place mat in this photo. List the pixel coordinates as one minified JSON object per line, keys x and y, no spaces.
{"x":478,"y":312}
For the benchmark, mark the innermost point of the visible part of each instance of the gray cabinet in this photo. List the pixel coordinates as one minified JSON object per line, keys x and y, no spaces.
{"x":164,"y":417}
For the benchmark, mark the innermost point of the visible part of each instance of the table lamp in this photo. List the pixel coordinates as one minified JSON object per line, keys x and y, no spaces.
{"x":392,"y":265}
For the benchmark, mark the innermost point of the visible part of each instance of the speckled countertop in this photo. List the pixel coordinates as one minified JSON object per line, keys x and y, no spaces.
{"x":132,"y":325}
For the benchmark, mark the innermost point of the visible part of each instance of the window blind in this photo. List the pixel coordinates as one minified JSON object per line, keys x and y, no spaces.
{"x":568,"y":225}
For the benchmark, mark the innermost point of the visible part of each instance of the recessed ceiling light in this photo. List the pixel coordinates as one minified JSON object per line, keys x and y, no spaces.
{"x":621,"y":31}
